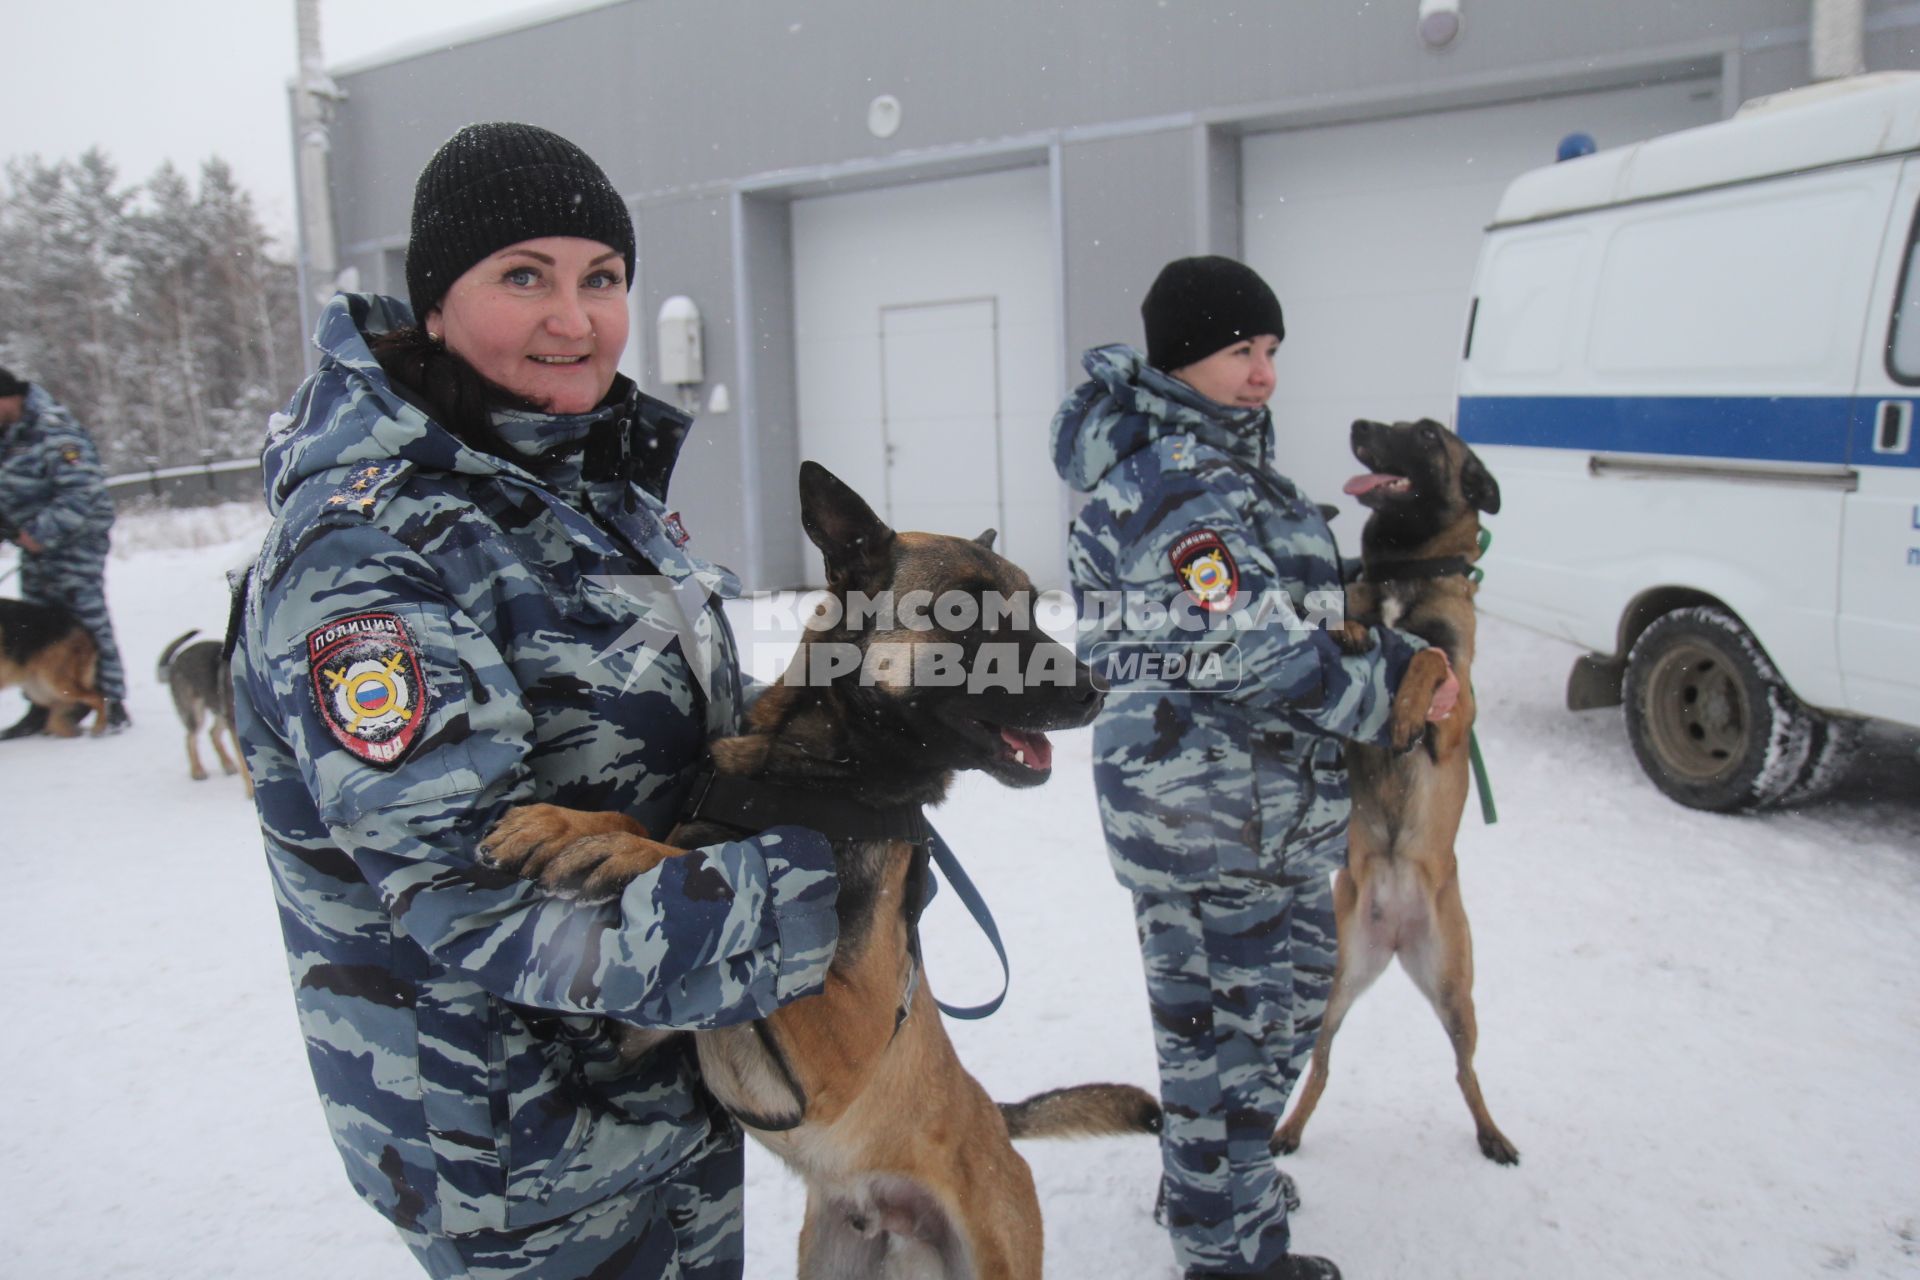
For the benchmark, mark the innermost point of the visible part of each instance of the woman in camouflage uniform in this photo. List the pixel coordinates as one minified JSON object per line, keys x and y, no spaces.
{"x":473,"y":596}
{"x":1222,"y":786}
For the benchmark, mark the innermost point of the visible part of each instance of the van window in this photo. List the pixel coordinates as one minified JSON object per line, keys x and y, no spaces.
{"x":1753,"y":282}
{"x":1903,"y":345}
{"x":1526,"y":303}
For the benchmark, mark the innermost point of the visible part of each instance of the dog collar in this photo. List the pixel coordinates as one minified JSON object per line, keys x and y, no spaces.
{"x":1410,"y":570}
{"x":750,"y":805}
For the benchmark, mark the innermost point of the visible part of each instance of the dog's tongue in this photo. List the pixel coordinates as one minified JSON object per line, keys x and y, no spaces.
{"x":1031,"y":749}
{"x":1366,"y":484}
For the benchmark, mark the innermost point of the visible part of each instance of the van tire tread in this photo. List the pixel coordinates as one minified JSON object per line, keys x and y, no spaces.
{"x":1772,"y":734}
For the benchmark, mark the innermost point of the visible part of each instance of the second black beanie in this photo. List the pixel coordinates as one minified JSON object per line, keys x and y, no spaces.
{"x":1198,"y":306}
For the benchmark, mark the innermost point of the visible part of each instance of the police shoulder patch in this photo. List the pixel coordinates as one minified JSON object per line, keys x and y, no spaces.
{"x":1206,"y":569}
{"x":368,"y":685}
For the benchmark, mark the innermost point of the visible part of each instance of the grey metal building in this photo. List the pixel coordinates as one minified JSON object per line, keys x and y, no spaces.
{"x":902,"y":221}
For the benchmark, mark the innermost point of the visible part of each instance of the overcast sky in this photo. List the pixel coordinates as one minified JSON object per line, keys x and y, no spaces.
{"x":182,"y":80}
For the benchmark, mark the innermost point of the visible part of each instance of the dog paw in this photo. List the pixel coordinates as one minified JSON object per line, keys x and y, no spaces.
{"x":599,"y":868}
{"x":1353,"y":637}
{"x":1495,"y":1147}
{"x":1426,"y":673}
{"x":1286,"y":1141}
{"x":589,"y":856}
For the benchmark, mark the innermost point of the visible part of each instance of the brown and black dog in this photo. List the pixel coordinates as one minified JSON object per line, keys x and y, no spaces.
{"x":201,"y":682}
{"x":907,"y":1160}
{"x":1399,"y":893}
{"x":46,"y":651}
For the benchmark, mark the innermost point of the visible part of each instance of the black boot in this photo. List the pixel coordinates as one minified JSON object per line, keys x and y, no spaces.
{"x":1295,"y":1266}
{"x":117,"y":717}
{"x":35,"y":721}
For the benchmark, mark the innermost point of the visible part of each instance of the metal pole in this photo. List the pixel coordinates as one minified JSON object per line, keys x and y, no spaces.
{"x":313,"y":97}
{"x":1837,"y":45}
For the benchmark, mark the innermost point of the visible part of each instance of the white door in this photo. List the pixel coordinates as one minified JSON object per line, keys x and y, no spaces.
{"x":1880,"y":550}
{"x":1369,"y":233}
{"x":940,"y":411}
{"x":927,"y":353}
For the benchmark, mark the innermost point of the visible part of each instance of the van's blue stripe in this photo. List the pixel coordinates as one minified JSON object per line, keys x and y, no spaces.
{"x":1769,"y":428}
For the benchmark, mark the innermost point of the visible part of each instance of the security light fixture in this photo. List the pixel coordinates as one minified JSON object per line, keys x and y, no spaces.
{"x":1439,"y":22}
{"x":883,"y":116}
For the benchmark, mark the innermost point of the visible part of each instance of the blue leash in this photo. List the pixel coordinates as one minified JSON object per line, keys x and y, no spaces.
{"x":976,"y":907}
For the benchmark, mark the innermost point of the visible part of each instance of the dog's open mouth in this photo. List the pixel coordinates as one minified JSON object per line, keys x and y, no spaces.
{"x":1376,"y":485}
{"x":1027,"y":748}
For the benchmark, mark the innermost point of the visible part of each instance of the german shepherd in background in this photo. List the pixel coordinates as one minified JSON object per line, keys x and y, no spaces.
{"x":45,"y":651}
{"x":202,"y":688}
{"x":1399,"y":893}
{"x":908,"y":1164}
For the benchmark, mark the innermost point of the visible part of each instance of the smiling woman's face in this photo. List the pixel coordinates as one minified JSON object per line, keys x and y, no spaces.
{"x":545,"y":318}
{"x":1239,"y":376}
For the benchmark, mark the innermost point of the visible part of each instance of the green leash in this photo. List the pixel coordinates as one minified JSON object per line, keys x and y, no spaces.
{"x":1480,"y":779}
{"x":1481,"y":782}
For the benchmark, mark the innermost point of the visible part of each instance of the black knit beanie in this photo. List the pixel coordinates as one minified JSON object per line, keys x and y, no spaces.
{"x":492,"y":185}
{"x":1198,"y":306}
{"x":10,"y":385}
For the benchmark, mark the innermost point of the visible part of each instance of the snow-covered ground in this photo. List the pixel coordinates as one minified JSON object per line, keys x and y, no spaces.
{"x":1696,"y":1028}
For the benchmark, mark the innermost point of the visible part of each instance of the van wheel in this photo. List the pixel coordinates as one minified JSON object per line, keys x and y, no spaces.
{"x":1834,"y":743}
{"x":1711,"y":721}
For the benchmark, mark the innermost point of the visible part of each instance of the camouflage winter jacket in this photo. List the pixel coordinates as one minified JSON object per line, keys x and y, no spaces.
{"x":1219,"y":752}
{"x":431,"y":634}
{"x":52,"y":486}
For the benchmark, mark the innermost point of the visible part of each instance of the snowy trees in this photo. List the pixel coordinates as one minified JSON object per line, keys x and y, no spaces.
{"x":155,"y":312}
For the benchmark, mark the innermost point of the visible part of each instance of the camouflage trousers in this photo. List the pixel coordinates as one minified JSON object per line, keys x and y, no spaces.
{"x":74,"y":577}
{"x":1237,"y":979}
{"x":686,"y":1227}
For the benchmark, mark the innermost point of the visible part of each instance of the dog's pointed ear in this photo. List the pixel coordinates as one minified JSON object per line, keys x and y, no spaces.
{"x":986,"y":539}
{"x":1478,"y":486}
{"x":854,"y":542}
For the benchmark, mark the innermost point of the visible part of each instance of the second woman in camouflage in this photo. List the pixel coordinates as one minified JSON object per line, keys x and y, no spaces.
{"x":1221,"y":781}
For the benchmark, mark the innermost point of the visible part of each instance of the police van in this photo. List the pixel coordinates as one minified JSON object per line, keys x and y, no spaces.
{"x":1693,"y":364}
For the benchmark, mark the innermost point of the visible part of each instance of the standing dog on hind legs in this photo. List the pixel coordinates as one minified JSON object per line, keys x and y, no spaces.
{"x":908,"y":1164}
{"x":202,"y":687}
{"x":1399,"y":893}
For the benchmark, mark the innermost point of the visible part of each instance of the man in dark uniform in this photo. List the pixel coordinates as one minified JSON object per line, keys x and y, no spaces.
{"x":54,"y":504}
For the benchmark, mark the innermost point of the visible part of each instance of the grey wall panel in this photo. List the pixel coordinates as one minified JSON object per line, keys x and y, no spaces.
{"x":575,"y":75}
{"x":675,"y":93}
{"x":687,"y":249}
{"x":769,"y":399}
{"x":1127,"y":212}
